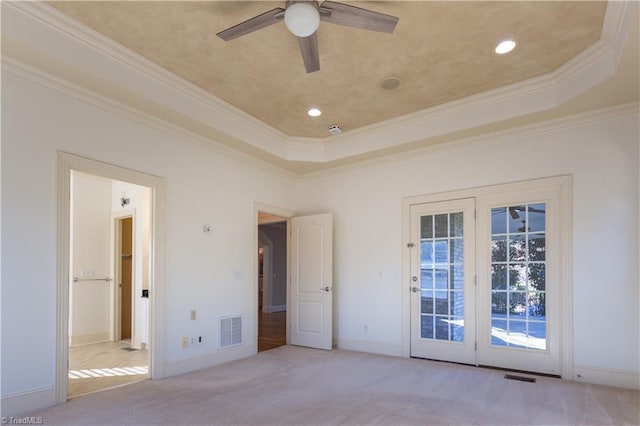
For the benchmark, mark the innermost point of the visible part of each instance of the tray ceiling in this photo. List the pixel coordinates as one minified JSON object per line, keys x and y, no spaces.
{"x":440,"y":51}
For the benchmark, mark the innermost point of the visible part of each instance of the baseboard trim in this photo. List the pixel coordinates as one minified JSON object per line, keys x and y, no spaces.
{"x":138,"y":343}
{"x":86,"y":339}
{"x":188,"y":365}
{"x":21,"y":403}
{"x":370,"y":347}
{"x":274,"y":308}
{"x":607,"y":377}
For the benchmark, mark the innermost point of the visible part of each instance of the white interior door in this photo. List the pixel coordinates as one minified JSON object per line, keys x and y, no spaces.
{"x":443,"y":280}
{"x":312,"y":281}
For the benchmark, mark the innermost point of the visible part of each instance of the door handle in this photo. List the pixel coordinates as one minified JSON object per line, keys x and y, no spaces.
{"x":327,"y":289}
{"x":414,"y":289}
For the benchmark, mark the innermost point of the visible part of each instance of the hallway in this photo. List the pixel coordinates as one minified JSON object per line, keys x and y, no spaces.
{"x":272,"y":330}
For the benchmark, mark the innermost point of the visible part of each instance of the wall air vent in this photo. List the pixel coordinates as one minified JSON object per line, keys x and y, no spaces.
{"x":230,"y":331}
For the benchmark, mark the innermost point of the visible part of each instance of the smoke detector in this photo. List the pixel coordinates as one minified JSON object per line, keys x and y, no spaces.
{"x":334,"y":129}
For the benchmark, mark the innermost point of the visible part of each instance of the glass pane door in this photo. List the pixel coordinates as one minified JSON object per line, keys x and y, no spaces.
{"x":518,"y":264}
{"x":442,"y":276}
{"x":443,"y":295}
{"x":519,"y":260}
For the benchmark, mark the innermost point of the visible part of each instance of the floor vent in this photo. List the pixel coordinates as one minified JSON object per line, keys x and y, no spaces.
{"x":519,"y":378}
{"x":129,"y":349}
{"x":230,"y":331}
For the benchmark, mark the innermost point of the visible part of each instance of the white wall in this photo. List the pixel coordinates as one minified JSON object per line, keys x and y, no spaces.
{"x":202,"y":186}
{"x":89,"y":309}
{"x":602,"y":156}
{"x":213,"y":274}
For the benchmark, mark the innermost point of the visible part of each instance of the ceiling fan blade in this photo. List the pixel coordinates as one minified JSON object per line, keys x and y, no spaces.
{"x":310,"y":54}
{"x":351,"y":16}
{"x":257,"y":22}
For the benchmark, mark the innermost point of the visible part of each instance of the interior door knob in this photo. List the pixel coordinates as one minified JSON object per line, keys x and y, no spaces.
{"x":327,"y":289}
{"x":414,"y":289}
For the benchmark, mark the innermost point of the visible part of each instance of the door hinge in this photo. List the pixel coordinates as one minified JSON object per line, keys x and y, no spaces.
{"x":475,"y":280}
{"x":474,"y":213}
{"x":475,"y":346}
{"x":410,"y":245}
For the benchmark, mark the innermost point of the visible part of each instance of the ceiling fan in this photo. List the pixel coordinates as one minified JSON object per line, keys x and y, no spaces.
{"x":302,"y":18}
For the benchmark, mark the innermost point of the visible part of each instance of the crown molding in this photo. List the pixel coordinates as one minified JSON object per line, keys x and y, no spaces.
{"x":582,"y":72}
{"x":46,"y":29}
{"x":34,"y":75}
{"x":485,"y":140}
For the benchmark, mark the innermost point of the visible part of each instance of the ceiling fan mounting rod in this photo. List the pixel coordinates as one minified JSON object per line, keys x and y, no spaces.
{"x":323,"y":10}
{"x":313,"y":2}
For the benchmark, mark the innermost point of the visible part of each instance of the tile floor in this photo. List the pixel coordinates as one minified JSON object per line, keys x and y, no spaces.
{"x":100,"y":366}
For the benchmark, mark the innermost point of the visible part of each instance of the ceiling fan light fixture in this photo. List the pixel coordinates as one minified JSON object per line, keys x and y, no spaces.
{"x":505,"y":46}
{"x":302,"y":19}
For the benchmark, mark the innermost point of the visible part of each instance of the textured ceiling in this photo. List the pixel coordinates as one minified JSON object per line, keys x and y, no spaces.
{"x":441,"y":51}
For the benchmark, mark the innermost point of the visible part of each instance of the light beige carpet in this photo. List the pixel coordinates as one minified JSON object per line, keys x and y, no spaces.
{"x":298,"y":386}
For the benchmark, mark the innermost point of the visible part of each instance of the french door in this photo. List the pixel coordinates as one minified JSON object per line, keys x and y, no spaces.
{"x":486,"y":279}
{"x":519,"y":264}
{"x":442,"y":281}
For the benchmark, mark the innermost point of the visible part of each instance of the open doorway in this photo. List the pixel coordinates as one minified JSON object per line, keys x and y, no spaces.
{"x":125,"y":275}
{"x":110,"y":277}
{"x":154,"y":259}
{"x":272,"y":281}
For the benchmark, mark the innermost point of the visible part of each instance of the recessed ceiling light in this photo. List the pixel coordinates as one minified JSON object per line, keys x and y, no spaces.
{"x":314,"y":112}
{"x":505,"y":46}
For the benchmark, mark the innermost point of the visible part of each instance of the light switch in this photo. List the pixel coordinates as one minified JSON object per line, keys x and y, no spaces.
{"x":193,"y":315}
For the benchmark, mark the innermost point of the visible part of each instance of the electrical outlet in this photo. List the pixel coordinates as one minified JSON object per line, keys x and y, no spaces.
{"x":207,"y":229}
{"x":185,"y":342}
{"x":193,"y":315}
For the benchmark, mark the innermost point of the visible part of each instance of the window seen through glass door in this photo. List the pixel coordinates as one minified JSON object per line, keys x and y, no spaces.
{"x":518,"y":293}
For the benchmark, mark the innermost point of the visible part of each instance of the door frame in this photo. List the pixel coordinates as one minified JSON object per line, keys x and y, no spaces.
{"x":285,"y":214}
{"x":116,"y":266}
{"x":565,"y":185}
{"x":67,"y":163}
